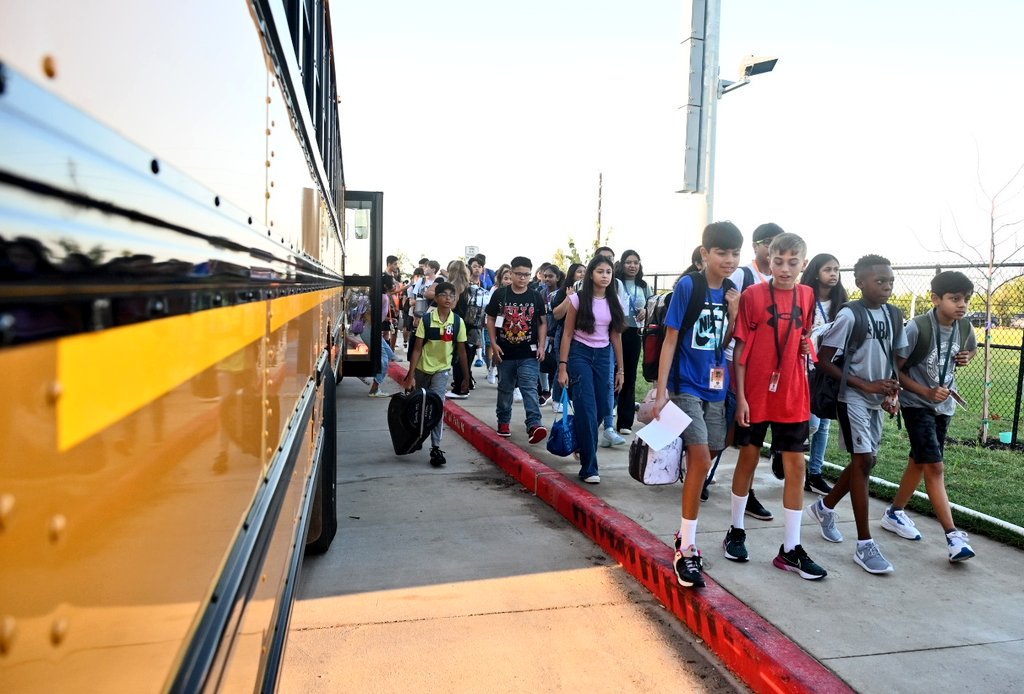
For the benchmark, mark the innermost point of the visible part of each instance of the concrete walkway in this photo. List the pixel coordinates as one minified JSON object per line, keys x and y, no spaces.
{"x":456,"y":579}
{"x":929,"y":626}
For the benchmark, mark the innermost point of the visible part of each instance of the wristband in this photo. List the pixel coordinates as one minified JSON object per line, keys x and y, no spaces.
{"x":563,"y":362}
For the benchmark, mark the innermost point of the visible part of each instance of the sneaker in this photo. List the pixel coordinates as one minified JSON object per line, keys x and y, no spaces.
{"x":817,"y":484}
{"x":797,"y":561}
{"x":479,"y":362}
{"x":517,"y":395}
{"x":734,"y":544}
{"x":609,"y":438}
{"x":537,"y":433}
{"x":503,"y":430}
{"x":492,"y":376}
{"x":778,"y":469}
{"x":593,"y":479}
{"x":379,"y":394}
{"x":456,"y":396}
{"x":689,"y":571}
{"x":899,"y":522}
{"x":756,"y":510}
{"x":556,"y":407}
{"x":959,"y":550}
{"x":827,"y":520}
{"x":545,"y":398}
{"x":626,"y":432}
{"x":437,"y":457}
{"x":871,"y":560}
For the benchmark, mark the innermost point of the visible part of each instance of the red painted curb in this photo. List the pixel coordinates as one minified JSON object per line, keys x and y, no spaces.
{"x":753,"y":648}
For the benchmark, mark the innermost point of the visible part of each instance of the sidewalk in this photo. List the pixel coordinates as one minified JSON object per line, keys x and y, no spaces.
{"x":456,"y":579}
{"x":929,"y":626}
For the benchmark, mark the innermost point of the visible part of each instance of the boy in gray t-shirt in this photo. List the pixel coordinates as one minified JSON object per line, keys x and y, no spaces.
{"x":871,"y":387}
{"x":929,"y":401}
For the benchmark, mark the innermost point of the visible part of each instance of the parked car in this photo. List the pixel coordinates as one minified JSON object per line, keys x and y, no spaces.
{"x":978,"y":319}
{"x":1016,"y":320}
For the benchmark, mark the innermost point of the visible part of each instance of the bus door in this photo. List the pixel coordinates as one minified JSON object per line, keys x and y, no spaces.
{"x":361,"y":320}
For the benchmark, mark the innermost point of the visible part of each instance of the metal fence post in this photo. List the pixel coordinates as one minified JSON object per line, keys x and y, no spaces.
{"x":1020,"y":384}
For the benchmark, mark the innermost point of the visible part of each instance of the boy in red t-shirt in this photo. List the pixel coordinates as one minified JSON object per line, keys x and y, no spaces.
{"x":775,"y":318}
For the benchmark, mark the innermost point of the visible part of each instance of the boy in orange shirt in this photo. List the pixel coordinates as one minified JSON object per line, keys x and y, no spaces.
{"x":775,"y":317}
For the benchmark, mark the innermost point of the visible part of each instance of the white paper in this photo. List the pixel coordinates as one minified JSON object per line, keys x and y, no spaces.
{"x":660,"y":432}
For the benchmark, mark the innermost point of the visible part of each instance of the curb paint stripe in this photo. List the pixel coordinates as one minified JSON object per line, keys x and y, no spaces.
{"x":753,"y":648}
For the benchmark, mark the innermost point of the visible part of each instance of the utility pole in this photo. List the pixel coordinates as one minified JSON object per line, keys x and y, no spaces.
{"x":600,"y":180}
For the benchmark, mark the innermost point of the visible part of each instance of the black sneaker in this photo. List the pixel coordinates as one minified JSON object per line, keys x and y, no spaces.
{"x":756,"y":510}
{"x":797,"y":561}
{"x":437,"y":457}
{"x":778,"y":469}
{"x":734,"y":544}
{"x":689,"y":571}
{"x":817,"y":484}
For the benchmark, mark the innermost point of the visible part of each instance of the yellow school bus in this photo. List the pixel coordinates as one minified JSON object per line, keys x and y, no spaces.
{"x":177,"y":244}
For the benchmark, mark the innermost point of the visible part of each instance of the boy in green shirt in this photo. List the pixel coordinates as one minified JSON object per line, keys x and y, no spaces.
{"x":430,"y":365}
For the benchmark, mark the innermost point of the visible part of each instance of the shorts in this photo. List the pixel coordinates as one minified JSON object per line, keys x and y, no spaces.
{"x":861,"y":427}
{"x":708,"y":426}
{"x":788,"y":437}
{"x":926,"y":430}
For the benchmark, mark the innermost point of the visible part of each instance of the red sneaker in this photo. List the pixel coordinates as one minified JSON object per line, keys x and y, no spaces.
{"x":537,"y":433}
{"x":503,"y":430}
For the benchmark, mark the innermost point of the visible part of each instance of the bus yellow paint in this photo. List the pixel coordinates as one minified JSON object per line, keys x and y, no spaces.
{"x":104,"y":376}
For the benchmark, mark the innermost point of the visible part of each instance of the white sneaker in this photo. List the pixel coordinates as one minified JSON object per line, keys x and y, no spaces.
{"x":959,"y":550}
{"x":556,"y":407}
{"x":610,"y":437}
{"x":517,"y":395}
{"x":593,"y":479}
{"x":899,"y":522}
{"x":492,"y":375}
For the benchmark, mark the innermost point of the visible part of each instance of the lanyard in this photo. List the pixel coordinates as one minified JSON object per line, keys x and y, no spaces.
{"x":718,"y":334}
{"x":949,"y":348}
{"x":781,"y":348}
{"x":824,"y":316}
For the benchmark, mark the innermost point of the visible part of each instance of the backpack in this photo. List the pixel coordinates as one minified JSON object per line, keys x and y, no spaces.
{"x":654,"y":326}
{"x":925,"y":336}
{"x":475,"y":313}
{"x":825,"y":390}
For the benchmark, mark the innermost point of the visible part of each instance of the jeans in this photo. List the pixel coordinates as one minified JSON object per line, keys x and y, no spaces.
{"x":609,"y":419}
{"x":522,"y":374}
{"x":387,"y":355}
{"x":435,"y":383}
{"x":626,"y":407}
{"x":556,"y":387}
{"x":819,"y":439}
{"x":588,"y":383}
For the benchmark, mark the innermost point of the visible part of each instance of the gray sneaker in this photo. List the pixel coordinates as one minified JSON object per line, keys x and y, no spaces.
{"x":827,"y":520}
{"x":610,"y":437}
{"x":871,"y":560}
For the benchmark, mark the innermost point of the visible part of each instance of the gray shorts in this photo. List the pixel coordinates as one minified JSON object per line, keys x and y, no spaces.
{"x":861,"y":427}
{"x":708,"y":426}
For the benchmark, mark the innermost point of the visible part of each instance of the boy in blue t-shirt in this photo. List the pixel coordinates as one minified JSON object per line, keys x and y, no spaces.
{"x":701,"y":379}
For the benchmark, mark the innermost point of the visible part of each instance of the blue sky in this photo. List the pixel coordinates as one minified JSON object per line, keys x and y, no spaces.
{"x":488,"y":125}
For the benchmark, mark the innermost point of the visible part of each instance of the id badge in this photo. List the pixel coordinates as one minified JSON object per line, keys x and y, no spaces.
{"x":499,"y":321}
{"x":773,"y":383}
{"x":717,"y":378}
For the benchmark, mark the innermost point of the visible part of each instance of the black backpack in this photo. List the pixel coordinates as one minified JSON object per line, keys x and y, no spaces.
{"x":825,"y":390}
{"x":654,"y":326}
{"x":435,"y":333}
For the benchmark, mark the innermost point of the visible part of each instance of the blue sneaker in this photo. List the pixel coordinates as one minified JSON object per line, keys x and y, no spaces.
{"x":478,"y":362}
{"x":959,"y":550}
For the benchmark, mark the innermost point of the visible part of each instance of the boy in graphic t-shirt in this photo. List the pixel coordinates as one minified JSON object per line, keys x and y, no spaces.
{"x":775,"y":317}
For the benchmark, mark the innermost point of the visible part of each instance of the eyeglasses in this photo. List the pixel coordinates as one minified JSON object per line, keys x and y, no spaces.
{"x":444,"y":295}
{"x":763,"y":242}
{"x":522,"y":275}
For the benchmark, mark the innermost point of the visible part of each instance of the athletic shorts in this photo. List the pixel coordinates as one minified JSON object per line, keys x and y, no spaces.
{"x":861,"y":427}
{"x":708,"y":426}
{"x":788,"y":437}
{"x":926,"y":430}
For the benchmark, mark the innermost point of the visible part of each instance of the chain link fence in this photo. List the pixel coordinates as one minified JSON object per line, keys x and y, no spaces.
{"x":998,"y":322}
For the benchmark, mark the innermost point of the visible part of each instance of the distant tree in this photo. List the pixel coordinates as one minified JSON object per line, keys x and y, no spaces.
{"x":1002,"y":238}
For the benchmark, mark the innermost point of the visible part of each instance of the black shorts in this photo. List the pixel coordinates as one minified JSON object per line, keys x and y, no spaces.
{"x":926,"y":430}
{"x":788,"y":437}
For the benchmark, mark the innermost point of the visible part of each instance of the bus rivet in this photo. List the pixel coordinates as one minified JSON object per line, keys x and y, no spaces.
{"x":59,"y":631}
{"x":7,"y":629}
{"x":58,"y":524}
{"x":53,"y":392}
{"x":6,"y":509}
